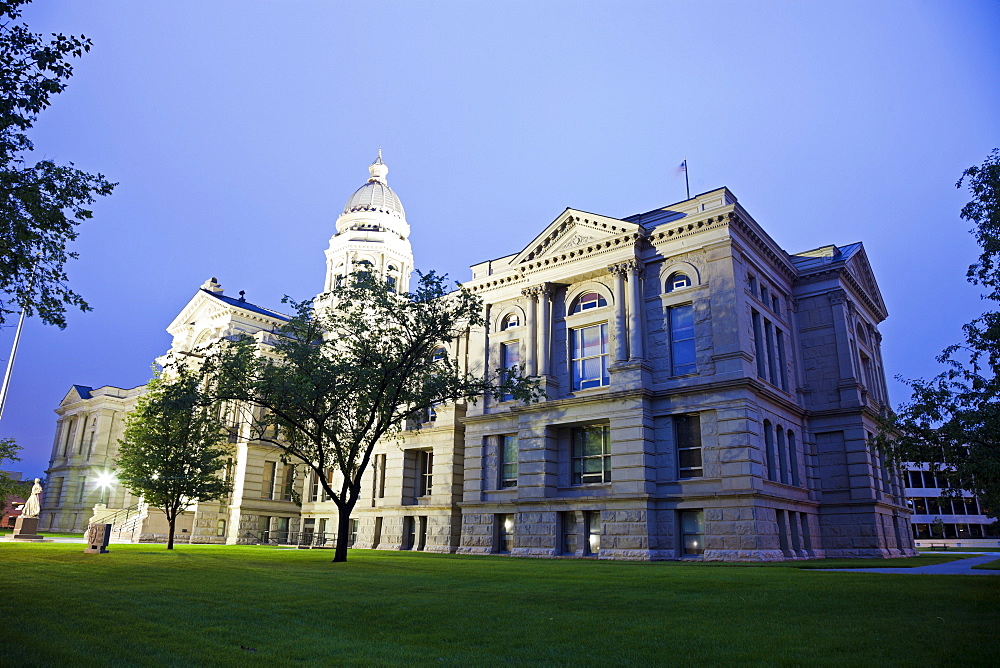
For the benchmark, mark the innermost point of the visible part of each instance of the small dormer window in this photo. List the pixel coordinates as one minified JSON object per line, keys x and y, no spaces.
{"x":510,"y":320}
{"x":678,"y":281}
{"x":587,"y":301}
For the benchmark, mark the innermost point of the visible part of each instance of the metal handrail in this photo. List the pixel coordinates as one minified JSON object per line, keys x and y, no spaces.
{"x":298,"y":538}
{"x":117,"y":517}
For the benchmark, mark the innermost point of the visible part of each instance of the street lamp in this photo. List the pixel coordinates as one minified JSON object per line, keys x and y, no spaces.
{"x":105,"y":480}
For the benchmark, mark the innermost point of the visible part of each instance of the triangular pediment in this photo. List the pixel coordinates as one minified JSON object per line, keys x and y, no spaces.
{"x":574,"y":229}
{"x":859,"y":266}
{"x":76,"y":393}
{"x":202,"y":307}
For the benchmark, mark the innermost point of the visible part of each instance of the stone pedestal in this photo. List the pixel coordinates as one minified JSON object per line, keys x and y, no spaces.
{"x":25,"y":531}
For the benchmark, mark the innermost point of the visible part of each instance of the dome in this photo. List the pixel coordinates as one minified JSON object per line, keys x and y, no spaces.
{"x":376,"y":195}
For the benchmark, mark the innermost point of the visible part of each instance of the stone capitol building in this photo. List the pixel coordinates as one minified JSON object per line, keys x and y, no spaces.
{"x":708,"y":396}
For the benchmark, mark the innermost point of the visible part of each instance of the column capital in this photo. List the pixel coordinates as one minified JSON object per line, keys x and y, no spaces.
{"x":533,"y":292}
{"x":626,"y":268}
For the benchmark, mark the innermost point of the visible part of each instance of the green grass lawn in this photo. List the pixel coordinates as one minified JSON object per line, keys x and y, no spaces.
{"x":989,"y":566}
{"x":141,"y":604}
{"x":960,"y":549}
{"x":47,"y":534}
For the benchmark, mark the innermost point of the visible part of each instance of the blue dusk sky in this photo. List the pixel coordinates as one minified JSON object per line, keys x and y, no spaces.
{"x":238,"y":129}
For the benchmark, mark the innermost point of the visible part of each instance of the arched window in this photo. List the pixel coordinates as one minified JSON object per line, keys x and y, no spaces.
{"x":440,"y":354}
{"x":862,"y":337}
{"x":510,"y":320}
{"x":587,"y":301}
{"x":678,"y":281}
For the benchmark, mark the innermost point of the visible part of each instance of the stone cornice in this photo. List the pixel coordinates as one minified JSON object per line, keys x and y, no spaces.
{"x":841,"y":273}
{"x":780,"y":261}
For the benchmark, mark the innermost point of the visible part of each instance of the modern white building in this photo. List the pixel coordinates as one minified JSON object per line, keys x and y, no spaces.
{"x":953,"y":520}
{"x":708,"y":395}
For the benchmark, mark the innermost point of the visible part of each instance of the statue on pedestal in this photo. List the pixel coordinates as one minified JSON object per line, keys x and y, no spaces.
{"x":32,"y":506}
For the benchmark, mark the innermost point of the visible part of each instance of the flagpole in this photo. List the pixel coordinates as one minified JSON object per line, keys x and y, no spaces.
{"x":13,"y":348}
{"x":686,"y":184}
{"x":10,"y":362}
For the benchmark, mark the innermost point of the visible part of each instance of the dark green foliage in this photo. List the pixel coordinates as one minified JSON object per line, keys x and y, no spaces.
{"x":953,"y":419}
{"x":334,"y":381}
{"x":172,"y":450}
{"x":41,"y":203}
{"x":9,"y":487}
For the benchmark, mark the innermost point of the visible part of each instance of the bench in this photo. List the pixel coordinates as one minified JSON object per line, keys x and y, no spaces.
{"x":941,"y":546}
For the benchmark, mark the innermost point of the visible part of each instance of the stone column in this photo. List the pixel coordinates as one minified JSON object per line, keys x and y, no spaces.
{"x":545,"y":335}
{"x":635,"y":310}
{"x":531,"y":347}
{"x":620,"y":349}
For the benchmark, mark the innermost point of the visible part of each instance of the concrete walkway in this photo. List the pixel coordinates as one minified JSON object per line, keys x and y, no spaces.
{"x":957,"y":567}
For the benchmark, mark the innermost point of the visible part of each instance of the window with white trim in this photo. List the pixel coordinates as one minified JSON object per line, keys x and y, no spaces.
{"x":682,"y":348}
{"x":677,"y":281}
{"x":591,"y":456}
{"x":510,"y":356}
{"x":590,"y":356}
{"x":508,"y":460}
{"x":588,"y":301}
{"x":687,"y":432}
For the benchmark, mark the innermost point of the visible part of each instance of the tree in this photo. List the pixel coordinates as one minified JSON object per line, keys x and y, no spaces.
{"x":9,"y":486}
{"x":172,"y":448}
{"x":952,"y":421}
{"x":42,"y":203}
{"x":337,"y":379}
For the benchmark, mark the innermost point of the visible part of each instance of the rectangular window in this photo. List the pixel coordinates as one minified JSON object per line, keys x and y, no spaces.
{"x":682,"y":352}
{"x":264,"y":526}
{"x":505,"y":533}
{"x":510,"y":355}
{"x":425,"y":470}
{"x":591,"y":455}
{"x":592,"y":519}
{"x":793,"y":456}
{"x":782,"y":362}
{"x":409,"y":533}
{"x":82,"y":490}
{"x":687,"y":431}
{"x":421,"y":532}
{"x":769,"y":450}
{"x":353,"y":537}
{"x":772,"y":361}
{"x":590,"y":356}
{"x":692,"y":532}
{"x":289,"y":487}
{"x":758,"y":339}
{"x":267,"y":483}
{"x":753,"y":285}
{"x":569,"y":532}
{"x":508,"y":460}
{"x":378,"y":478}
{"x":782,"y":454}
{"x":220,"y":528}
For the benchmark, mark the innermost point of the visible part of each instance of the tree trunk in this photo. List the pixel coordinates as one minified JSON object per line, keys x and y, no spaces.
{"x":343,"y":535}
{"x":170,"y":531}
